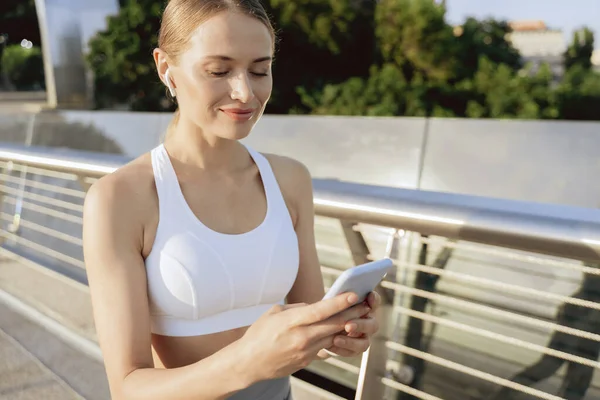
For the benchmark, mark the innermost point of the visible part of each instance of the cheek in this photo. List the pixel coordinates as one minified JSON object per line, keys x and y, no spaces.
{"x":262,"y":89}
{"x":205,"y":94}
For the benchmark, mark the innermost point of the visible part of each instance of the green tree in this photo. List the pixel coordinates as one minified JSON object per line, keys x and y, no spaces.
{"x":24,"y":67}
{"x":121,"y":59}
{"x":500,"y":93}
{"x":411,"y":69}
{"x":18,"y":19}
{"x":414,"y":35}
{"x":540,"y":86}
{"x":579,"y":94}
{"x":486,"y":38}
{"x":322,"y":42}
{"x":378,"y":95}
{"x":580,"y":50}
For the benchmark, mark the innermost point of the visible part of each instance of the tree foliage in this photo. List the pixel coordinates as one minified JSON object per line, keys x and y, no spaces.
{"x":121,"y":58}
{"x":18,"y":19}
{"x":472,"y":71}
{"x":323,"y":42}
{"x":24,"y":67}
{"x":361,"y":57}
{"x":580,"y":50}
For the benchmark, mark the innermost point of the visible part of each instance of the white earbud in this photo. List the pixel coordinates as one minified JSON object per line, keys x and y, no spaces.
{"x":169,"y":83}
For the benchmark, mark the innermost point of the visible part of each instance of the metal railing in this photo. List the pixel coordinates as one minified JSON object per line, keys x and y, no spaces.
{"x":483,"y":287}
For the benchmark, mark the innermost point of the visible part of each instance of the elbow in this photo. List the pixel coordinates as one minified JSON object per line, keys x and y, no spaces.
{"x":126,"y":388}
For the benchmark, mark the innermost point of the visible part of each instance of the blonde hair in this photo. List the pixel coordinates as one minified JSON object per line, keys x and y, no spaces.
{"x":182,"y":17}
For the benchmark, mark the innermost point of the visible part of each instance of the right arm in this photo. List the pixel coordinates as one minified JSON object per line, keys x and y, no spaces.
{"x":112,"y":242}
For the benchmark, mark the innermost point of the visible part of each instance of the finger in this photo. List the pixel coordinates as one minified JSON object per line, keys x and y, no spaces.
{"x":368,"y":326}
{"x":356,"y":334}
{"x":323,"y":343}
{"x":374,"y":300}
{"x":358,"y":311}
{"x":337,"y":323}
{"x":325,"y":309}
{"x":294,"y":305}
{"x":354,"y":345}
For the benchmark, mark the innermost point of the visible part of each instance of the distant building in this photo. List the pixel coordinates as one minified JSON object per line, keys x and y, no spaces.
{"x":539,"y":44}
{"x":596,"y":60}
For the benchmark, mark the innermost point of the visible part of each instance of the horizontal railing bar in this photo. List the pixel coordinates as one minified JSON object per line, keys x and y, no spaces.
{"x":461,"y":217}
{"x":68,"y":161}
{"x":458,"y":276}
{"x":43,"y":229}
{"x":533,"y":259}
{"x":563,"y":231}
{"x":343,"y":365}
{"x":331,"y":271}
{"x":39,"y":171}
{"x":407,"y":389}
{"x":487,"y":310}
{"x":44,"y":250}
{"x":41,"y":198}
{"x":333,"y":249}
{"x":44,"y":186}
{"x":470,"y":371}
{"x":497,"y":336}
{"x":45,"y":210}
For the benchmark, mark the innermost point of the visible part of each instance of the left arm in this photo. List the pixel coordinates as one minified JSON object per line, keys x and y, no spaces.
{"x":309,"y":287}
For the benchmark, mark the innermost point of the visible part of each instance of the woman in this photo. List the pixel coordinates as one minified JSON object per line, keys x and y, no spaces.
{"x":200,"y":255}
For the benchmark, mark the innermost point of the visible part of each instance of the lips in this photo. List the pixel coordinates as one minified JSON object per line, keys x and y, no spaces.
{"x":239,"y":114}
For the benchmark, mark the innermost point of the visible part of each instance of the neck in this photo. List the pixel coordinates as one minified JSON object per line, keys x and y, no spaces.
{"x":190,"y":145}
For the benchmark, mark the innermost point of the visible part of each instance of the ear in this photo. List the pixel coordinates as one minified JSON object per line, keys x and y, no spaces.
{"x":164,"y":73}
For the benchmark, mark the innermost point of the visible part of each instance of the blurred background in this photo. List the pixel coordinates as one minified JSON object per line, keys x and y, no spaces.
{"x":528,"y":59}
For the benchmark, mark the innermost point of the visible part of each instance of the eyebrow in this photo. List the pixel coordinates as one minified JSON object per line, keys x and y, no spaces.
{"x":225,"y":58}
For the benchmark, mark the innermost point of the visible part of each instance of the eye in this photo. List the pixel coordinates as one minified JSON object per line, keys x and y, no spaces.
{"x":259,"y":74}
{"x":217,"y":73}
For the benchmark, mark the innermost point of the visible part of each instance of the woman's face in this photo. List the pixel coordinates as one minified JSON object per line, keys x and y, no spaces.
{"x":223,"y":80}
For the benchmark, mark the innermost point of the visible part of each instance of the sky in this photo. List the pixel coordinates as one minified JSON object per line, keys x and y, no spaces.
{"x":559,"y":14}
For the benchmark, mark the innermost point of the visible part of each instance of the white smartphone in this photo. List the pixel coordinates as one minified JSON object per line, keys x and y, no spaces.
{"x":361,"y":279}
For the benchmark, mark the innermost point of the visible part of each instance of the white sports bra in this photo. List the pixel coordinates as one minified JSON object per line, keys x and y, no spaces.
{"x":201,"y":281}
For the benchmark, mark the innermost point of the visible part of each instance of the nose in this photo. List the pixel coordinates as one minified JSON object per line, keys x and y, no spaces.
{"x":241,"y":88}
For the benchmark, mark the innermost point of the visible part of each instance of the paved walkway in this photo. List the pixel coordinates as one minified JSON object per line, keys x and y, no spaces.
{"x":35,"y":362}
{"x":22,"y":375}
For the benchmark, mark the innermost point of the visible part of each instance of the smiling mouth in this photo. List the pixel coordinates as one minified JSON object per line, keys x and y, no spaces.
{"x":238,"y":114}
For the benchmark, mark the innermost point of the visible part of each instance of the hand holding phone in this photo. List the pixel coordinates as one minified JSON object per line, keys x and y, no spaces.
{"x":362,"y":279}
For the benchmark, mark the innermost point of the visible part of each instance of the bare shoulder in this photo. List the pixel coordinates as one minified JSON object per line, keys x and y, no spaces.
{"x":124,"y":187}
{"x":287,"y":167}
{"x":124,"y":198}
{"x":295,"y":182}
{"x":290,"y":173}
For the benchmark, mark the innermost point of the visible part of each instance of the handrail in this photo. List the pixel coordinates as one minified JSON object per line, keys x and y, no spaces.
{"x":558,"y":230}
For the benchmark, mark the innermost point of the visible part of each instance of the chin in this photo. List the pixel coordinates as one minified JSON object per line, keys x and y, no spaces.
{"x":238,"y":132}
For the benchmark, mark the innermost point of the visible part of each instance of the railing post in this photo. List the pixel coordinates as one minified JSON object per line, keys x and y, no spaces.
{"x":5,"y":171}
{"x":373,"y":363}
{"x":82,"y":182}
{"x":356,"y":242}
{"x":16,"y":224}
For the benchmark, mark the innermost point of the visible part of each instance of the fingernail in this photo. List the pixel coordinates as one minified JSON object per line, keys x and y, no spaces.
{"x":351,"y":327}
{"x":353,"y":298}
